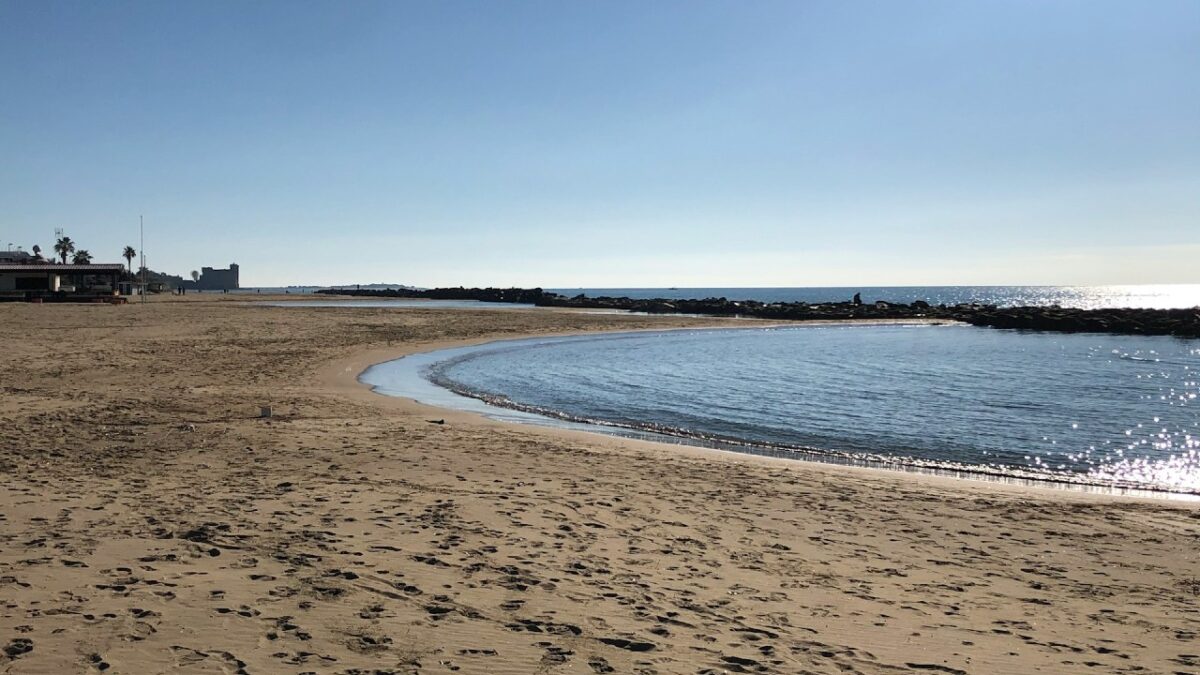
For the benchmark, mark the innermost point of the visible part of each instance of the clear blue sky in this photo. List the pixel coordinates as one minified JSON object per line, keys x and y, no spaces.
{"x":611,"y":143}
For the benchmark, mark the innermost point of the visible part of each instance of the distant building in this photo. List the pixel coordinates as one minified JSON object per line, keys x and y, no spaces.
{"x":217,"y":280}
{"x":15,"y":257}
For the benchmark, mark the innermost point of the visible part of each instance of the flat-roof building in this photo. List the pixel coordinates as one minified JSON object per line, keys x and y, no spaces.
{"x":17,"y":256}
{"x":47,"y":277}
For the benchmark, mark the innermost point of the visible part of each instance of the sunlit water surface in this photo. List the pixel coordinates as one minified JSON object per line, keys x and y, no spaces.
{"x":1091,"y":409}
{"x":1155,"y":296}
{"x":1163,"y":296}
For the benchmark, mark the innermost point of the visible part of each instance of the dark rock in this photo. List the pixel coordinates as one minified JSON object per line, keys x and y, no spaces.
{"x":1176,"y":322}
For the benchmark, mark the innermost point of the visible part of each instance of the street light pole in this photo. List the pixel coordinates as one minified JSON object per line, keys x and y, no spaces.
{"x":142,"y":249}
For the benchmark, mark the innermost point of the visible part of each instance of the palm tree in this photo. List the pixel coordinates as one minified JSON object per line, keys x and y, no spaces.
{"x":82,"y":257}
{"x":64,"y":247}
{"x":195,"y":276}
{"x":129,"y":254}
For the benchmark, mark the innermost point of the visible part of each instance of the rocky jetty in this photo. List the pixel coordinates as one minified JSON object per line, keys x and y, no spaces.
{"x":524,"y":296}
{"x":1177,"y":322}
{"x":1127,"y":321}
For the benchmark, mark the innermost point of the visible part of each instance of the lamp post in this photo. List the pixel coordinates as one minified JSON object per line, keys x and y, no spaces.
{"x":142,"y":250}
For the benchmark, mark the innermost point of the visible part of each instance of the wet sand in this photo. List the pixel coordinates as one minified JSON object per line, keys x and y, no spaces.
{"x":151,"y":522}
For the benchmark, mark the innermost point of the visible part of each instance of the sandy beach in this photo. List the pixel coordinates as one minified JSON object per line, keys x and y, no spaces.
{"x":152,"y":522}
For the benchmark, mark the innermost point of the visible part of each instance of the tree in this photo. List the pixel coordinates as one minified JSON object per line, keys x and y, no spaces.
{"x":129,"y":254}
{"x":195,"y":276}
{"x":64,"y":247}
{"x":82,"y":257}
{"x":37,"y":251}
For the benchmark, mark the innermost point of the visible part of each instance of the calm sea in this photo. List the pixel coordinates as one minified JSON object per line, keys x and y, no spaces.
{"x":1163,"y":296}
{"x":1167,"y":296}
{"x":1092,"y":409}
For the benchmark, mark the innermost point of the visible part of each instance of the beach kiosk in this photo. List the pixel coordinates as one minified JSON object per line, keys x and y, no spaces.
{"x":33,"y":280}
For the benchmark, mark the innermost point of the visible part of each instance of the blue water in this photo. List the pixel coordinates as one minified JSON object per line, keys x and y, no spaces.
{"x":386,"y":303}
{"x":1094,"y":409}
{"x":1164,"y":296}
{"x":305,"y":290}
{"x":276,"y":290}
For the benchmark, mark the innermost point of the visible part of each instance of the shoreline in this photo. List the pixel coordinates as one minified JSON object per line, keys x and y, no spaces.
{"x":151,"y":520}
{"x":665,"y":441}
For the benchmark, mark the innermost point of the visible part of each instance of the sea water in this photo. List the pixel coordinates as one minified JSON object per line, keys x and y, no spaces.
{"x":1160,"y":296}
{"x":1084,"y":408}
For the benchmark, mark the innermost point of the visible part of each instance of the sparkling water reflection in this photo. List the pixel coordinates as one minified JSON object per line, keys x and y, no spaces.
{"x":1082,"y":408}
{"x":1156,"y":296}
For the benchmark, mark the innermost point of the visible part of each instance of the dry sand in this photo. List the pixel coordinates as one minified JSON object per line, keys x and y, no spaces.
{"x":149,"y":522}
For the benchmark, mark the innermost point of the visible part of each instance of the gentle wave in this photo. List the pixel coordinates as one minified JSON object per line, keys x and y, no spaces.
{"x":1017,"y":390}
{"x":782,"y":450}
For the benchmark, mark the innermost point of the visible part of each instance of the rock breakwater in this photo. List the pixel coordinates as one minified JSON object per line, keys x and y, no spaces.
{"x":1126,"y":321}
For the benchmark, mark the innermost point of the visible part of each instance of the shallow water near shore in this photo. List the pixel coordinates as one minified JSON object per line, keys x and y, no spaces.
{"x":1088,"y":410}
{"x":398,"y":303}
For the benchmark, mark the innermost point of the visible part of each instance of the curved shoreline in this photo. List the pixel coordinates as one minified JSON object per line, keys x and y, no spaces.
{"x":455,"y":398}
{"x":158,"y":520}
